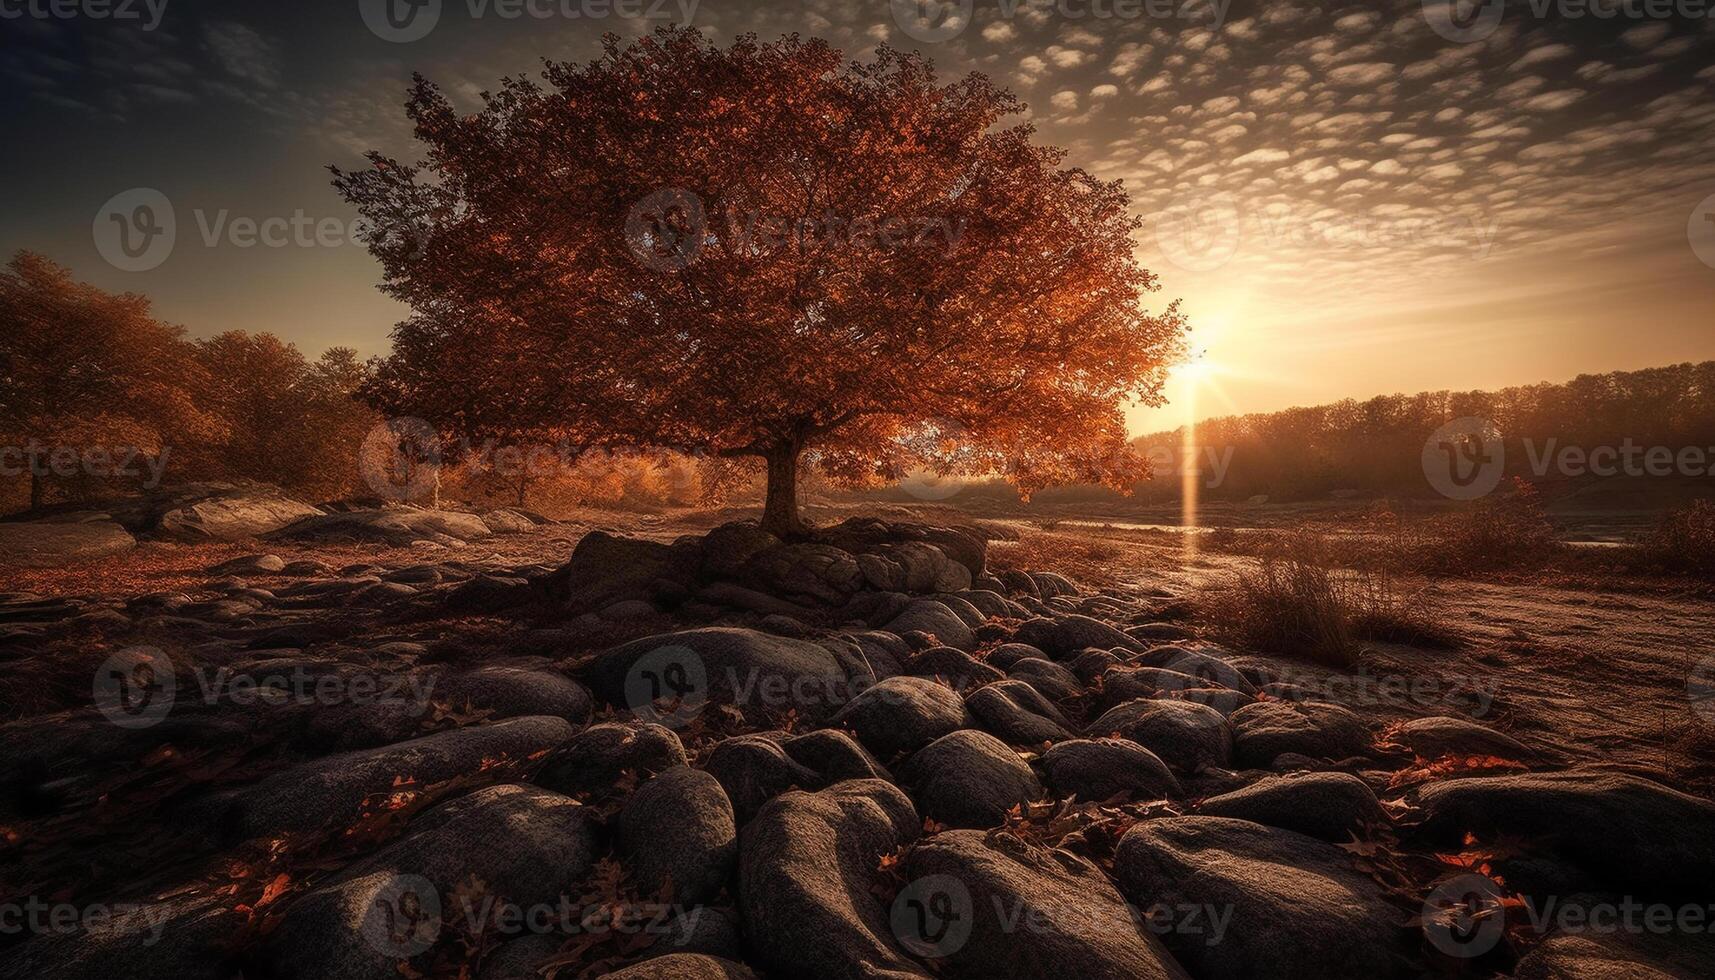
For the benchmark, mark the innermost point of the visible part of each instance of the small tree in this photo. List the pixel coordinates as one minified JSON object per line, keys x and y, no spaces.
{"x":765,"y":251}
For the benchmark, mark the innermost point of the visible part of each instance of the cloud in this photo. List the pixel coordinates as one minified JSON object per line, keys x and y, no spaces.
{"x":243,"y":53}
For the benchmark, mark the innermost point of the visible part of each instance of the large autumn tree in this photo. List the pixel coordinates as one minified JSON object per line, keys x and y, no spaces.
{"x":765,"y":251}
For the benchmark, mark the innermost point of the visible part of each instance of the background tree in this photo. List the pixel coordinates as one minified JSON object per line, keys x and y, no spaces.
{"x":765,"y":251}
{"x":89,"y":369}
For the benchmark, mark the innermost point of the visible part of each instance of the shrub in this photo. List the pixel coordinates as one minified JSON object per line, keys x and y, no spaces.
{"x":1683,"y":540}
{"x":1297,"y":601}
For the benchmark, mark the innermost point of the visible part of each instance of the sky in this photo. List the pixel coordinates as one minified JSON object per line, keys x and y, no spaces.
{"x":1350,"y":200}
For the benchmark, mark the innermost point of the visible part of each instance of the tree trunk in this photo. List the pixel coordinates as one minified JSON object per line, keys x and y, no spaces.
{"x":523,"y":486}
{"x":36,"y":487}
{"x":780,"y":512}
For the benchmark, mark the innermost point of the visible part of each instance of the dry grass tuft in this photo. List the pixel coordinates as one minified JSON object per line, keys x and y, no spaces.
{"x":1298,"y":600}
{"x":1683,"y":541}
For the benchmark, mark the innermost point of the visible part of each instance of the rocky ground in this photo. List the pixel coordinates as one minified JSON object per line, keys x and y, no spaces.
{"x":875,"y":754}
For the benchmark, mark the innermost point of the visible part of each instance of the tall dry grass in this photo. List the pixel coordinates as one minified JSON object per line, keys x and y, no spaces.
{"x":1299,"y":600}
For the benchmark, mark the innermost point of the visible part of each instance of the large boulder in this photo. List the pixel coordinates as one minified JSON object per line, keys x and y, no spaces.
{"x":902,"y":714}
{"x":525,"y":845}
{"x":330,"y":791}
{"x":1434,"y":738}
{"x":808,"y":881}
{"x":685,"y":966}
{"x":235,"y":514}
{"x":754,"y":769}
{"x":995,"y":907}
{"x":834,"y":756}
{"x":966,"y":546}
{"x":1067,"y":636}
{"x":1189,"y":737}
{"x":677,"y":833}
{"x":1334,"y":806}
{"x":934,"y":618}
{"x":1296,"y":906}
{"x":509,"y":692}
{"x":51,"y":544}
{"x":183,"y":938}
{"x":605,"y":569}
{"x":727,"y":548}
{"x":1100,"y":769}
{"x":1620,"y":955}
{"x":1205,"y":669}
{"x":1054,"y":681}
{"x":1636,"y":836}
{"x":593,"y":763}
{"x":395,"y":526}
{"x":728,"y":665}
{"x":804,"y":573}
{"x":1018,"y":714}
{"x":969,"y":779}
{"x":1267,"y":729}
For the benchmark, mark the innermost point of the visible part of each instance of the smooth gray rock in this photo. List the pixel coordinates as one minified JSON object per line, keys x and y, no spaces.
{"x":591,"y":763}
{"x":1334,"y":806}
{"x":1078,"y":925}
{"x":1299,"y":909}
{"x":1267,"y":729}
{"x":969,"y":779}
{"x":931,"y":617}
{"x":331,"y":790}
{"x":1094,"y":770}
{"x":1018,"y":714}
{"x":753,"y":769}
{"x":1186,"y":736}
{"x":808,"y":874}
{"x":677,"y":833}
{"x":902,"y":714}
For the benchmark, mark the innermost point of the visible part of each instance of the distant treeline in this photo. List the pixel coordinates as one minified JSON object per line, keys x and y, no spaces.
{"x":1375,"y":446}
